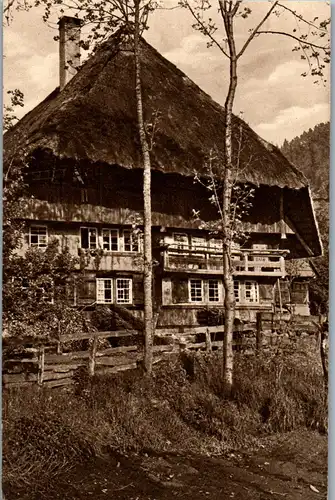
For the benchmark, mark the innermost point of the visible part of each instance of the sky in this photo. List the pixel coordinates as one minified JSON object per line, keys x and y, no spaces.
{"x":272,"y":96}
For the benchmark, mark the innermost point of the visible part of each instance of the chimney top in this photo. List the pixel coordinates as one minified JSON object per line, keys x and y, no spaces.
{"x":69,"y":20}
{"x":69,"y":48}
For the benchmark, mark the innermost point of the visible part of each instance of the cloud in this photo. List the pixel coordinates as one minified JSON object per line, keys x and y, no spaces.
{"x":192,"y":51}
{"x":288,"y":122}
{"x":271,"y":92}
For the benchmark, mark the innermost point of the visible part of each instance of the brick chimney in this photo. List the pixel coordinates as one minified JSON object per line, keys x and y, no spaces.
{"x":69,"y":48}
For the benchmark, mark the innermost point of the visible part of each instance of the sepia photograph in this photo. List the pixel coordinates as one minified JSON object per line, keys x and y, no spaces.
{"x":165,"y":260}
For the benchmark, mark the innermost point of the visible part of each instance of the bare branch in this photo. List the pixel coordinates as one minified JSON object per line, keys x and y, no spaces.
{"x":300,"y":17}
{"x":204,"y":28}
{"x":282,"y":33}
{"x":255,"y":31}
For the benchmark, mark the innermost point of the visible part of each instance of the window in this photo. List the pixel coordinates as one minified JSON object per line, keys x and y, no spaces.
{"x":215,"y":244}
{"x":46,"y":292}
{"x":251,"y":291}
{"x":213,"y":291}
{"x":38,"y":236}
{"x":237,"y":291}
{"x":130,"y":241}
{"x":196,"y":291}
{"x":181,"y":240}
{"x":36,"y":290}
{"x":198,"y":242}
{"x":123,"y":291}
{"x":261,"y":247}
{"x":104,"y":291}
{"x":110,"y":240}
{"x":88,"y":237}
{"x":246,"y":291}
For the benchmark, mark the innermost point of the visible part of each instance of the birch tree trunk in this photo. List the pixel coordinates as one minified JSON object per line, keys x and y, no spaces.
{"x":147,"y":279}
{"x":228,"y":283}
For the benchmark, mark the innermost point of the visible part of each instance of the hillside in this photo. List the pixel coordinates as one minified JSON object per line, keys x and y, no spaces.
{"x":310,"y":153}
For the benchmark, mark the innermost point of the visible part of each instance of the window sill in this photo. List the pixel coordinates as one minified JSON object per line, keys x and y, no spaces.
{"x":194,"y":305}
{"x":104,"y":253}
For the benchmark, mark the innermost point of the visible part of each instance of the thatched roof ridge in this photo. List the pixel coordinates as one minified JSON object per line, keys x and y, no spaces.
{"x":94,"y":118}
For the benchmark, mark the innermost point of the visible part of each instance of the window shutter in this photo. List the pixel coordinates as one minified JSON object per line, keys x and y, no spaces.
{"x":299,"y":293}
{"x":179,"y":290}
{"x":284,"y":292}
{"x":265,"y":292}
{"x":138,"y":291}
{"x":84,"y":237}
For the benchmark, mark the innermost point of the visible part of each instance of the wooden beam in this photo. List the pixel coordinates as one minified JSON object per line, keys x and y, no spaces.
{"x":301,"y":240}
{"x":282,"y":216}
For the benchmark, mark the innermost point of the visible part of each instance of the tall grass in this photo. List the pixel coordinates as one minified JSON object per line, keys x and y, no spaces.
{"x":181,"y":408}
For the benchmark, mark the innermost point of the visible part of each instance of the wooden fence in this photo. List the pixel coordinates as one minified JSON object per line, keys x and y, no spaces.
{"x":47,"y":366}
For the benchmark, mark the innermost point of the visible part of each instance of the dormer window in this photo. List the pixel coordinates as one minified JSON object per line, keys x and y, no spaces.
{"x":38,"y":236}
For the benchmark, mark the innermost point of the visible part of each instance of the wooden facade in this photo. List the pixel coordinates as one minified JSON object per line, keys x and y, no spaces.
{"x":85,"y":179}
{"x":187,"y":260}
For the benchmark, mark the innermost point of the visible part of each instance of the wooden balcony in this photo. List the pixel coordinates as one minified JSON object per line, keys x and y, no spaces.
{"x":246,"y":262}
{"x":97,"y":260}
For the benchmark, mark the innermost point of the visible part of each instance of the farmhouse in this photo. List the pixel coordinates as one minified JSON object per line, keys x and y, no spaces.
{"x":85,"y":175}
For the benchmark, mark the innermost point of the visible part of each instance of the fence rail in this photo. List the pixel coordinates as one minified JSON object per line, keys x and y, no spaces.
{"x":39,"y":366}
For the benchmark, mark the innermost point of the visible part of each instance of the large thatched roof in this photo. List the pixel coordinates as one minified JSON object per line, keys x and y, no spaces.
{"x":94,"y":118}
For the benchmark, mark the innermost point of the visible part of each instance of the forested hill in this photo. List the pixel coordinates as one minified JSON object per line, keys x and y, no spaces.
{"x":310,"y":153}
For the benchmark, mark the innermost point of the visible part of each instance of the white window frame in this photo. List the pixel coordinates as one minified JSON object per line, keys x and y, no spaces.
{"x":134,"y":241}
{"x":215,"y":244}
{"x":260,"y":246}
{"x":48,"y":297}
{"x":237,"y":291}
{"x":254,"y":292}
{"x":190,"y":291}
{"x":219,"y":291}
{"x":89,"y":237}
{"x":198,"y":243}
{"x":129,"y":289}
{"x":101,"y":288}
{"x":181,"y":244}
{"x":109,"y":232}
{"x":39,"y":244}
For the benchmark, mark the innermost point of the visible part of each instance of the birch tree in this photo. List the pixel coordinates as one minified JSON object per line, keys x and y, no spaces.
{"x":314,"y":45}
{"x":104,"y":17}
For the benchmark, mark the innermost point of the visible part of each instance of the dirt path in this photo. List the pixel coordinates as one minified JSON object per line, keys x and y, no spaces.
{"x":291,"y":467}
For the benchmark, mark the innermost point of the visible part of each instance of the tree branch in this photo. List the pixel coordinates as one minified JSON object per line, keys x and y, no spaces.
{"x":282,"y":33}
{"x":205,"y":29}
{"x":300,"y":17}
{"x":255,"y":31}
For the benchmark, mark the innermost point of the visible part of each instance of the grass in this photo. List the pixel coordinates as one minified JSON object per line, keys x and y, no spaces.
{"x":181,"y":408}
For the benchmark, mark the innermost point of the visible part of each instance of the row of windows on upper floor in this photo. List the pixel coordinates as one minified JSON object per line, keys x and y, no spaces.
{"x":125,"y":240}
{"x":113,"y":240}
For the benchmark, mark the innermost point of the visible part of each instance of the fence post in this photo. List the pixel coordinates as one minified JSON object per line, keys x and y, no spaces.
{"x":40,"y":375}
{"x":280,"y":302}
{"x":91,"y":359}
{"x":59,"y":342}
{"x":208,"y":340}
{"x":259,"y":332}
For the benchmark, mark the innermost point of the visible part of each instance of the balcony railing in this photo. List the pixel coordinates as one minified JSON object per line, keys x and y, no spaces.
{"x":246,"y":262}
